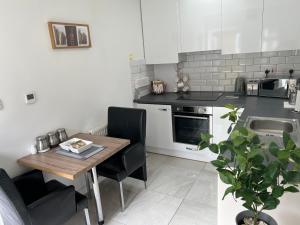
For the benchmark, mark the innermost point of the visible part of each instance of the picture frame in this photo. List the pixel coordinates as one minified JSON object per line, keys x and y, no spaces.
{"x":69,"y":35}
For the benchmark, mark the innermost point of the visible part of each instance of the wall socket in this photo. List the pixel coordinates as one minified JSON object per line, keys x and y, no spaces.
{"x":1,"y":105}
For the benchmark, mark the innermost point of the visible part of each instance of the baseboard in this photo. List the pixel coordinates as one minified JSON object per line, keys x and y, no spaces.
{"x":185,"y":154}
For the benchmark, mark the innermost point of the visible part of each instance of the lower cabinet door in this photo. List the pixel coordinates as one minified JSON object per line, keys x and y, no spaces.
{"x":159,"y":125}
{"x":220,"y":126}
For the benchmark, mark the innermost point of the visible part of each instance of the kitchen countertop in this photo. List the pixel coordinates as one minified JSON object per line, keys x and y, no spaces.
{"x":254,"y":105}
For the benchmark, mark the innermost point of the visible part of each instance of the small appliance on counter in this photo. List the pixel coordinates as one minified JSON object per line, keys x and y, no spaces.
{"x":240,"y":85}
{"x":297,"y":103}
{"x":252,"y":87}
{"x":278,"y":86}
{"x":158,"y":87}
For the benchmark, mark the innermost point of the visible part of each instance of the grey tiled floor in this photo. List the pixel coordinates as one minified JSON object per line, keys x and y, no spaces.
{"x":180,"y":192}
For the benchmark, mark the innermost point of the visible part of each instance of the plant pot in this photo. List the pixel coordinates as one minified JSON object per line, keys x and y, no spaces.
{"x":262,"y":216}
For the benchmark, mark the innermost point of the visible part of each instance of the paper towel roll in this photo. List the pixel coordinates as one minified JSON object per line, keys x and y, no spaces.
{"x":297,"y":105}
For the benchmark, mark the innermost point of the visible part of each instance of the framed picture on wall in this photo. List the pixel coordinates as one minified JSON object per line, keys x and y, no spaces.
{"x":69,"y":35}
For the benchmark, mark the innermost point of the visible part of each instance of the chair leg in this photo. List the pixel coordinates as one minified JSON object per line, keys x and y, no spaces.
{"x":87,"y":216}
{"x":88,"y":187}
{"x":122,"y":196}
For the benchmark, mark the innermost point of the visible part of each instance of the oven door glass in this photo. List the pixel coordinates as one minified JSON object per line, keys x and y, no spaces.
{"x":187,"y":128}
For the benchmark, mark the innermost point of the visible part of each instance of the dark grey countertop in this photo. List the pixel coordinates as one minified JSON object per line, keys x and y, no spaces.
{"x":254,"y":106}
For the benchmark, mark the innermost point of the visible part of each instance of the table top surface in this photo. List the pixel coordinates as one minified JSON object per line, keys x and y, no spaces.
{"x":69,"y":167}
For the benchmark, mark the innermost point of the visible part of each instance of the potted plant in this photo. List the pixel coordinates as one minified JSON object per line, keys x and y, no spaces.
{"x":256,"y":173}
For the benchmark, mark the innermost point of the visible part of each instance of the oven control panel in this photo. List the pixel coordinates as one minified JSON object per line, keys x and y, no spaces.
{"x":193,"y":109}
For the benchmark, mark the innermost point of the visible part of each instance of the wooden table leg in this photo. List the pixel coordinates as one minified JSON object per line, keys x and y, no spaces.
{"x":97,"y":196}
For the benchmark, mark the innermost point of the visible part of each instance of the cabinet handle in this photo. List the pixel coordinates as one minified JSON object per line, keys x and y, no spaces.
{"x":163,"y":109}
{"x":192,"y":117}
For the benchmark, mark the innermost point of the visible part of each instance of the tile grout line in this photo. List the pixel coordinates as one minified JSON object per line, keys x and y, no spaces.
{"x":184,"y":198}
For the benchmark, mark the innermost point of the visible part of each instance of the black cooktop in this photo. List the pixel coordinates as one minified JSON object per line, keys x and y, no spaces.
{"x":200,"y":96}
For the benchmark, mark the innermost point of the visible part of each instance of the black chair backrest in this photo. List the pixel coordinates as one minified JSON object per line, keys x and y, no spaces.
{"x":12,"y":193}
{"x":127,"y":123}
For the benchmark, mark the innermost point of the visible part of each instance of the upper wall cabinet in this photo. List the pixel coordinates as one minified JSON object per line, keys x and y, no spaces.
{"x":281,"y":29}
{"x":200,"y":25}
{"x":242,"y":25}
{"x":160,"y":27}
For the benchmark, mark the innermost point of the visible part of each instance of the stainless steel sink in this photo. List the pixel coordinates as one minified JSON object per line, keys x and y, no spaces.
{"x":271,"y":129}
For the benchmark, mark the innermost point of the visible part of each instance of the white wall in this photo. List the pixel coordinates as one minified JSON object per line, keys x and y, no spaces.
{"x":73,"y":87}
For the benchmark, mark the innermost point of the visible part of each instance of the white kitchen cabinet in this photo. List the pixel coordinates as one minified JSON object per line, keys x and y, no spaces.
{"x":220,"y":126}
{"x":160,"y":28}
{"x":200,"y":25}
{"x":159,"y":125}
{"x":281,"y":30}
{"x":242,"y":26}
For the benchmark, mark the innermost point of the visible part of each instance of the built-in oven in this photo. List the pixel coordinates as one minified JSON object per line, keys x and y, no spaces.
{"x":189,"y":122}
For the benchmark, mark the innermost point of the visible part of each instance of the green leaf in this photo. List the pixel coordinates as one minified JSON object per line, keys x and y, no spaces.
{"x":225,"y":116}
{"x":273,"y":149}
{"x":219,"y":163}
{"x":271,"y":171}
{"x":292,"y":177}
{"x":238,"y":140}
{"x":226,"y":176}
{"x":286,"y":139}
{"x":243,"y":131}
{"x":283,"y":155}
{"x":295,"y":155}
{"x":253,"y":153}
{"x":277,"y":191}
{"x":290,"y":145}
{"x":242,"y":162}
{"x":228,"y":191}
{"x":214,"y":148}
{"x":271,"y":203}
{"x":291,"y":189}
{"x":205,"y":137}
{"x":230,"y":106}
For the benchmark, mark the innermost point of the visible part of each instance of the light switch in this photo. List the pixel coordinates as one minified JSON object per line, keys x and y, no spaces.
{"x":30,"y":98}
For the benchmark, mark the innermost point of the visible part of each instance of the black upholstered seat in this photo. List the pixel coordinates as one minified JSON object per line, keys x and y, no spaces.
{"x":127,"y":123}
{"x":37,"y":202}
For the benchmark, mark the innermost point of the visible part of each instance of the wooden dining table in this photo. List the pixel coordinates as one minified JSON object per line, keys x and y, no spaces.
{"x":71,"y":168}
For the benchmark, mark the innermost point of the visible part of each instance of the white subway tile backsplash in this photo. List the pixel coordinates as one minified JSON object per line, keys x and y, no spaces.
{"x":232,"y":62}
{"x":206,"y":63}
{"x":206,"y":88}
{"x":218,"y":76}
{"x":238,"y":69}
{"x":224,"y":82}
{"x":253,"y":68}
{"x":218,"y":88}
{"x":293,"y":59}
{"x":247,"y":61}
{"x":258,"y":75}
{"x":286,"y":53}
{"x":284,"y":67}
{"x":219,"y":62}
{"x":248,"y":75}
{"x":260,"y":61}
{"x":224,"y":69}
{"x":277,"y":60}
{"x":211,"y":70}
{"x":263,"y":68}
{"x":269,"y":54}
{"x":231,"y":75}
{"x":212,"y":82}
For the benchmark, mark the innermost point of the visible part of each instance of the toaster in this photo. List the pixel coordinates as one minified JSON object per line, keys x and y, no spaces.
{"x":252,"y":87}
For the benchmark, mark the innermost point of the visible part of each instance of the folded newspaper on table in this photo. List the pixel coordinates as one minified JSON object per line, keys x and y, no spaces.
{"x":94,"y":149}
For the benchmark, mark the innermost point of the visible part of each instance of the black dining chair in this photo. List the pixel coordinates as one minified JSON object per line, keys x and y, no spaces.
{"x":127,"y":123}
{"x":40,"y":203}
